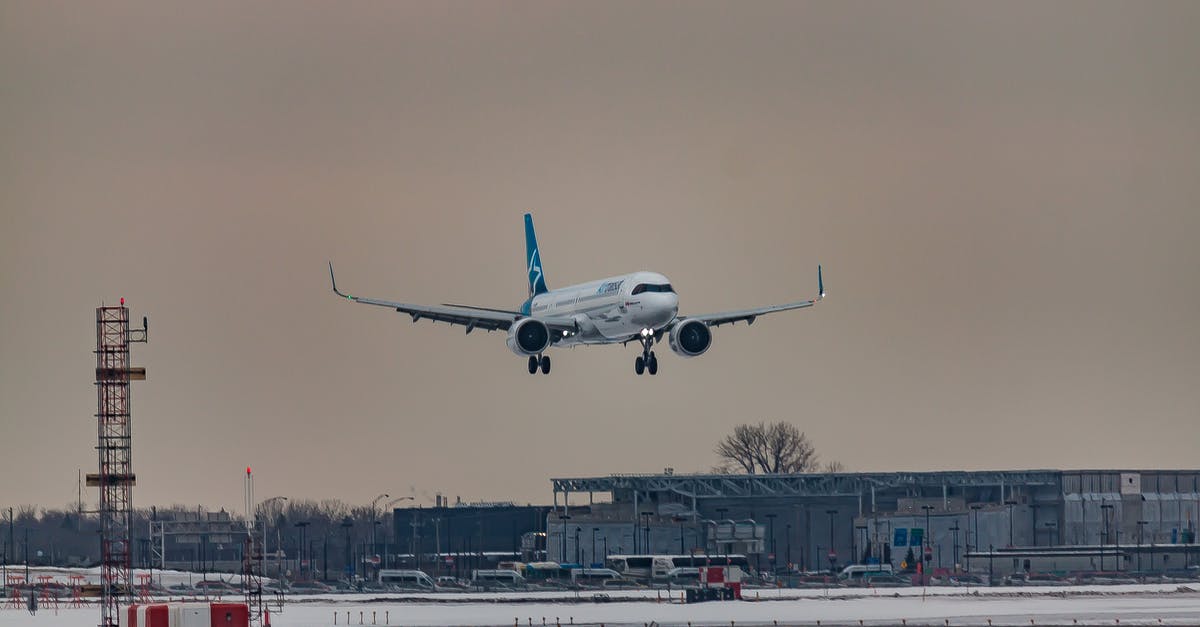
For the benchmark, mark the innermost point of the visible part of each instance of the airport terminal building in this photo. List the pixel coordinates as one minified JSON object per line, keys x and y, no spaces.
{"x":997,"y":522}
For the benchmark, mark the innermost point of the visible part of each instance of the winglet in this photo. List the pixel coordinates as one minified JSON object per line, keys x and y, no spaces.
{"x":820,"y":283}
{"x":333,"y":282}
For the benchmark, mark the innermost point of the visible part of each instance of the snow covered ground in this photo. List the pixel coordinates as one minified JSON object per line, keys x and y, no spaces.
{"x":1012,"y":607}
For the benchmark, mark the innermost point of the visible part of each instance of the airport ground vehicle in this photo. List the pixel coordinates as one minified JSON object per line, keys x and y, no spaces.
{"x":657,"y":568}
{"x":406,"y":579}
{"x":856,"y":572}
{"x":490,"y":578}
{"x":595,"y":577}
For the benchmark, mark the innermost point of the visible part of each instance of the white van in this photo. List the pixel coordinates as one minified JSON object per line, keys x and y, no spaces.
{"x":856,"y":572}
{"x":406,"y":579}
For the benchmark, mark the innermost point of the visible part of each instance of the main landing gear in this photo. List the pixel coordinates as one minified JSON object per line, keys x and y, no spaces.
{"x":543,"y":362}
{"x":647,"y":361}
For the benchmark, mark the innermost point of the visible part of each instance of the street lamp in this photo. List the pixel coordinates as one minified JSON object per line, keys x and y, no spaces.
{"x":578,"y":557}
{"x":975,"y":511}
{"x":680,"y":519}
{"x":1010,"y":504}
{"x":955,"y":529}
{"x":927,"y":550}
{"x":832,"y":551}
{"x":789,"y":547}
{"x":391,"y":530}
{"x":1141,"y":525}
{"x":348,"y":524}
{"x":301,"y":525}
{"x":562,"y":553}
{"x":263,"y":507}
{"x":646,"y":526}
{"x":771,"y":520}
{"x":1104,"y":507}
{"x":594,"y":530}
{"x":717,"y":529}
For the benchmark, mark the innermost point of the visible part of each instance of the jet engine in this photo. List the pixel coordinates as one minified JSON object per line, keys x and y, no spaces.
{"x":528,"y":337}
{"x":690,"y":338}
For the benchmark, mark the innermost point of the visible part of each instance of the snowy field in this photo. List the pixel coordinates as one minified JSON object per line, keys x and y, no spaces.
{"x":1044,"y":606}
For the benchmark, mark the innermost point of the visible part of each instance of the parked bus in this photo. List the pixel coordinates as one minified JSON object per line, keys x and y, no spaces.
{"x":657,"y":568}
{"x":631,"y":566}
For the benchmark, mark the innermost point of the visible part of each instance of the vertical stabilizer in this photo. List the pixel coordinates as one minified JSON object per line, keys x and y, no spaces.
{"x":533,"y":260}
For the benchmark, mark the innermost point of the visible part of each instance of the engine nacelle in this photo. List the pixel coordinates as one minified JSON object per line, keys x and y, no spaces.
{"x":528,"y":337}
{"x":690,"y":338}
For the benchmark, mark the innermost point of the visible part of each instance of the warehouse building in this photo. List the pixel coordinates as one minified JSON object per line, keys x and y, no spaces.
{"x":981,"y":521}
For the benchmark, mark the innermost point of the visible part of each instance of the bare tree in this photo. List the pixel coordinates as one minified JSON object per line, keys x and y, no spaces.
{"x":779,"y":447}
{"x":833,"y":466}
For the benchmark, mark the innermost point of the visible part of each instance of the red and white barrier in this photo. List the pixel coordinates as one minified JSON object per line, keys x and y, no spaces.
{"x":186,"y":615}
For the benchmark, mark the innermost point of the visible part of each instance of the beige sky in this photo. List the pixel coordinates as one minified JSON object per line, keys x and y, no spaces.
{"x":1004,"y":197}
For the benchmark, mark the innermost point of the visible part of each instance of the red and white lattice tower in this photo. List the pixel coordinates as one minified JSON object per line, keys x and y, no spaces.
{"x":115,"y":477}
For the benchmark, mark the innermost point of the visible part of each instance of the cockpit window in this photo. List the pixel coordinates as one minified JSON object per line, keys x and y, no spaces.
{"x":649,"y":287}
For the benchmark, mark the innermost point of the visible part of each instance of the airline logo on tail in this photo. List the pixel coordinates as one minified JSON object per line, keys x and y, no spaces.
{"x":534,"y":279}
{"x":537,"y":282}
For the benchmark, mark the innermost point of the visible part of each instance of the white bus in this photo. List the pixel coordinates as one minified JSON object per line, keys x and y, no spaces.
{"x":494,"y":577}
{"x":631,"y":566}
{"x":406,"y":579}
{"x":657,"y":568}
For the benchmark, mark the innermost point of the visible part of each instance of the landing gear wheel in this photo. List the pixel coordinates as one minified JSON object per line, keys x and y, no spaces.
{"x":533,"y":364}
{"x":545,"y":364}
{"x":639,"y":364}
{"x":652,"y":364}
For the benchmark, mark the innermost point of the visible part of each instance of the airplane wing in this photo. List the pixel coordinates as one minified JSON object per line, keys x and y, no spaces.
{"x":470,"y":317}
{"x":749,"y":315}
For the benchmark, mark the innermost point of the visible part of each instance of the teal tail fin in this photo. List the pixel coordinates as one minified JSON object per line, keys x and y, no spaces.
{"x":533,"y":260}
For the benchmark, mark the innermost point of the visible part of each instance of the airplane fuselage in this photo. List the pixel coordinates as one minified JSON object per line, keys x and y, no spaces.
{"x":615,"y":309}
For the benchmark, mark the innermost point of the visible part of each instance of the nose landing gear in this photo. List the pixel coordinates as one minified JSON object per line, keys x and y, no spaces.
{"x":535,"y":362}
{"x":647,"y":361}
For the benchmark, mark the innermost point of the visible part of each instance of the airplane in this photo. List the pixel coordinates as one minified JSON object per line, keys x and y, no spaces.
{"x":640,"y":306}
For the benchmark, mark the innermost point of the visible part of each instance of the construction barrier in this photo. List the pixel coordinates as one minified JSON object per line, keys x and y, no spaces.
{"x":186,"y":615}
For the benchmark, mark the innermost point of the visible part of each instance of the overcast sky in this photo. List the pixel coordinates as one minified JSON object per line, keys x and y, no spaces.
{"x":1003,"y":196}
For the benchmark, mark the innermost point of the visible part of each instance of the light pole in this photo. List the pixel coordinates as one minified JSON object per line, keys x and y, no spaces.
{"x":263,"y":507}
{"x":1010,"y":504}
{"x":789,"y":547}
{"x":1141,"y":525}
{"x":771,"y":521}
{"x":832,"y":551}
{"x":1104,"y":507}
{"x":301,"y":525}
{"x":927,"y":541}
{"x":594,"y":530}
{"x":955,"y":530}
{"x":680,"y":519}
{"x":390,"y":520}
{"x":348,"y":524}
{"x":562,"y":553}
{"x":975,"y":511}
{"x":646,"y":527}
{"x":578,"y":557}
{"x":717,"y":529}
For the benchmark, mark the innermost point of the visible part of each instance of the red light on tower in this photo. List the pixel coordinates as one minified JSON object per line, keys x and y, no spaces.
{"x":247,"y":470}
{"x":122,"y":301}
